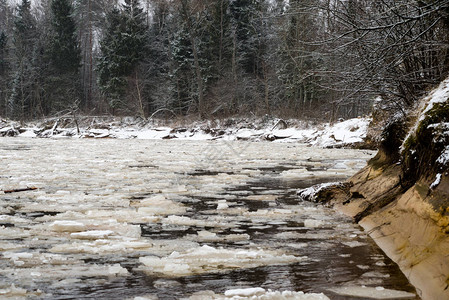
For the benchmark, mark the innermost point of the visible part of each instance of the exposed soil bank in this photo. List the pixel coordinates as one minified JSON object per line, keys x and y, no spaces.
{"x":410,"y":229}
{"x":402,"y":197}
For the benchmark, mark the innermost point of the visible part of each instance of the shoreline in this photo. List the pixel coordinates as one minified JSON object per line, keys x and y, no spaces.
{"x":350,"y":133}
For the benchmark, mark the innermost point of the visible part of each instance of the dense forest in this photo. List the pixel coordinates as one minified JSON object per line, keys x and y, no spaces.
{"x":321,"y":59}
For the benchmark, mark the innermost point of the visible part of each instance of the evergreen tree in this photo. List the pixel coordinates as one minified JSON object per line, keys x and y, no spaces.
{"x":244,"y":18}
{"x":122,"y":48}
{"x":159,"y":84}
{"x":64,"y":46}
{"x":3,"y":71}
{"x":3,"y":52}
{"x":183,"y":72}
{"x":19,"y":104}
{"x":216,"y":44}
{"x":63,"y":86}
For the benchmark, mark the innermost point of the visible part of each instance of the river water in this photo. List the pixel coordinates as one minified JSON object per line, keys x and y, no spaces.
{"x":123,"y":219}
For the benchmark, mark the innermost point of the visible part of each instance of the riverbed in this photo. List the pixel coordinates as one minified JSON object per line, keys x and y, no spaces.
{"x":171,"y":219}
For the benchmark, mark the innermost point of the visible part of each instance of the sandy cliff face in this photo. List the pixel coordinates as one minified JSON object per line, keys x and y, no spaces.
{"x":410,"y":228}
{"x":402,"y":198}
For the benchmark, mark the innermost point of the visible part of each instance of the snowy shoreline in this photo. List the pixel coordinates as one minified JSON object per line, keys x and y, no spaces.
{"x":348,"y":133}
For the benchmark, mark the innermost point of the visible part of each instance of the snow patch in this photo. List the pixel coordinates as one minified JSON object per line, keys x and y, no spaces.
{"x":310,"y":193}
{"x":436,"y":182}
{"x":328,"y":135}
{"x":443,"y":159}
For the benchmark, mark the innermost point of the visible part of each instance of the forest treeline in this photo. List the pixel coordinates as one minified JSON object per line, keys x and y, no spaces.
{"x":213,"y":58}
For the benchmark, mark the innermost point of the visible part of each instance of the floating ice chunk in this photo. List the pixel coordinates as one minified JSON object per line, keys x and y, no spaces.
{"x":183,"y":221}
{"x":222,"y":205}
{"x":159,"y":205}
{"x":52,"y":273}
{"x":101,"y":246}
{"x":375,"y":275}
{"x":12,"y":219}
{"x":67,"y":226}
{"x":313,"y":223}
{"x":117,"y":269}
{"x":363,"y":267}
{"x":13,"y":291}
{"x":17,"y":256}
{"x":372,"y":293}
{"x":92,"y":234}
{"x":8,"y":246}
{"x":353,"y":244}
{"x":206,"y":234}
{"x":149,"y":297}
{"x":207,"y":259}
{"x":258,"y":294}
{"x":245,"y":292}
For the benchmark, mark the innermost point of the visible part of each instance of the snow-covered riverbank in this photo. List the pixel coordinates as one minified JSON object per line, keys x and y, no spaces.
{"x":343,"y":133}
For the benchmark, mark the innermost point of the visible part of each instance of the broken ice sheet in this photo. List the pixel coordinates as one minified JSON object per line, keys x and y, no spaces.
{"x":208,"y":259}
{"x":13,"y":292}
{"x":257,"y":293}
{"x":51,"y":273}
{"x":372,"y":292}
{"x":102,"y":246}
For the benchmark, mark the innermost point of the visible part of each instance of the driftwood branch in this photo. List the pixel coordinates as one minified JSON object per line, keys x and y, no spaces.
{"x":20,"y":190}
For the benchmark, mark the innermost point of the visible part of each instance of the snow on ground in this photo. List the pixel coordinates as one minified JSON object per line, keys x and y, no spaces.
{"x":342,"y":133}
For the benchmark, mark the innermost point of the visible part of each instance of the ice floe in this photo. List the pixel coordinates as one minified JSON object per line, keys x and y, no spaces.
{"x":207,"y":259}
{"x":372,"y":292}
{"x":258,"y":294}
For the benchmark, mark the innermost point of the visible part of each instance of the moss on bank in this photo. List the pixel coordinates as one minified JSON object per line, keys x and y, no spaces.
{"x":423,"y":147}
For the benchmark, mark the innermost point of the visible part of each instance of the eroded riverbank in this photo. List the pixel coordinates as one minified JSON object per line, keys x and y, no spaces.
{"x":115,"y":219}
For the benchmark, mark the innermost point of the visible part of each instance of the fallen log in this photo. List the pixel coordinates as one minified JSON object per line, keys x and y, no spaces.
{"x":20,"y":190}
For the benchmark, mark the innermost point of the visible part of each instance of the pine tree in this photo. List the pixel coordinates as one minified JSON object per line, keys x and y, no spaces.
{"x":183,"y":72}
{"x":3,"y":52}
{"x":3,"y":70}
{"x":64,"y":46}
{"x":122,"y":48}
{"x":19,"y":104}
{"x":159,"y":85}
{"x":243,"y":14}
{"x":63,"y":86}
{"x":216,"y":43}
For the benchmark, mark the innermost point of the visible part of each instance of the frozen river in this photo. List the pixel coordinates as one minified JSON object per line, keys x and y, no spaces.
{"x":124,"y":219}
